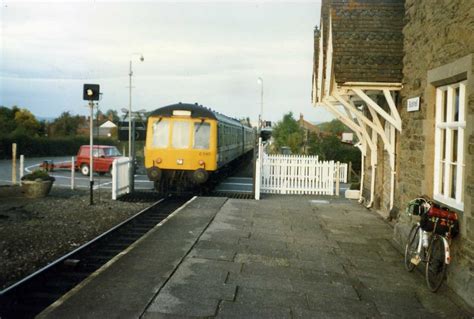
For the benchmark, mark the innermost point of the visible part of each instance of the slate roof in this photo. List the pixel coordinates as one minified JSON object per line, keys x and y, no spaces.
{"x":367,"y":39}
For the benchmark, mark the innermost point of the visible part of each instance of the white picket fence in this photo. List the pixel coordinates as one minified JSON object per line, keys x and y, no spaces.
{"x":295,"y":174}
{"x":120,"y":177}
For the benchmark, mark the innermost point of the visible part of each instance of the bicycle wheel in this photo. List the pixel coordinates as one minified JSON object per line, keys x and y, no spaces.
{"x":435,"y":265}
{"x":411,"y":247}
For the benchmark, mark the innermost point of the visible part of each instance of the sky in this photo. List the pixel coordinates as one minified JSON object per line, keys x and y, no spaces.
{"x":211,"y":53}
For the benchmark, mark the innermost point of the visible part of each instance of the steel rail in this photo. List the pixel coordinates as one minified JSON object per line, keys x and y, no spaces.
{"x":78,"y":249}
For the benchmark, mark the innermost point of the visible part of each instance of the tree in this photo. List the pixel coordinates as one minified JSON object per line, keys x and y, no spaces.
{"x":26,"y":123}
{"x":7,"y":120}
{"x":66,"y":124}
{"x":287,"y":132}
{"x":334,"y":127}
{"x":330,"y":148}
{"x":112,"y":115}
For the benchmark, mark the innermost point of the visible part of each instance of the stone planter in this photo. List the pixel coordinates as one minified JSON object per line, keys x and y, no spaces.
{"x":36,"y":189}
{"x":352,"y":194}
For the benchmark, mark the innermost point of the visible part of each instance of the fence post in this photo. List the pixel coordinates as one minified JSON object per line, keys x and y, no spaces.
{"x":349,"y":173}
{"x":258,"y":170}
{"x":73,"y":171}
{"x":114,"y":179}
{"x":14,"y":163}
{"x":338,"y":168}
{"x":22,"y":166}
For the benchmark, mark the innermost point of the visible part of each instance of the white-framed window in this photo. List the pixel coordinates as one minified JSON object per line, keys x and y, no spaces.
{"x":449,"y":144}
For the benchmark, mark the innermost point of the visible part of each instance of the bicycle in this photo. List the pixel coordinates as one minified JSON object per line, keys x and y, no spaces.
{"x":429,"y":239}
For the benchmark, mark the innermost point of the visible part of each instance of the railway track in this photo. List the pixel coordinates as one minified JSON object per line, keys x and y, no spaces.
{"x":31,"y":295}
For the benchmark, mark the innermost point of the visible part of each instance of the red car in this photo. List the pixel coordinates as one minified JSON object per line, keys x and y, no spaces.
{"x":104,"y":156}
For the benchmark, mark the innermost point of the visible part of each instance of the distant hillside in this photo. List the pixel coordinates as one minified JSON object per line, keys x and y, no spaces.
{"x":45,"y":118}
{"x":335,"y":127}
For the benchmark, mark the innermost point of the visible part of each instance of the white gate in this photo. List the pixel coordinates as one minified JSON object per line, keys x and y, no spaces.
{"x":295,"y":174}
{"x":343,"y":167}
{"x":120,"y":177}
{"x":292,"y":174}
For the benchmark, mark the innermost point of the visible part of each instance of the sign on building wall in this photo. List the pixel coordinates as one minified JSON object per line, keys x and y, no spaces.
{"x":413,"y":104}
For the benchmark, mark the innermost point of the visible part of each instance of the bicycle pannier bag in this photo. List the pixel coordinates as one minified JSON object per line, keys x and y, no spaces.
{"x":445,"y":221}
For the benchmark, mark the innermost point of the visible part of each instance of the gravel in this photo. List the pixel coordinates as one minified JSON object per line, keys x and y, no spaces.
{"x":35,"y":232}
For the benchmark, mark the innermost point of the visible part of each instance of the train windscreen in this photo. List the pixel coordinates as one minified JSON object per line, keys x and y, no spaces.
{"x":180,"y":138}
{"x":201,"y":135}
{"x":161,"y":133}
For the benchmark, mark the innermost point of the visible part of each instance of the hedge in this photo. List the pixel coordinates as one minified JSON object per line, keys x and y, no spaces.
{"x":44,"y":146}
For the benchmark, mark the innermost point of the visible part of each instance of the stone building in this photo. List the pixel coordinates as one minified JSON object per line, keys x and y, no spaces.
{"x":400,"y":74}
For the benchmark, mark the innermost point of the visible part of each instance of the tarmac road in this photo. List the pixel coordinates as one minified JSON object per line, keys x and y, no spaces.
{"x":63,"y":176}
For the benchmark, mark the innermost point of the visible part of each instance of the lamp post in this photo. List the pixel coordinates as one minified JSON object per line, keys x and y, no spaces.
{"x":259,"y":132}
{"x":130,"y":138}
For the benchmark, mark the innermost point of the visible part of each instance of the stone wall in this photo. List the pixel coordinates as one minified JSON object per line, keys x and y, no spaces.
{"x":436,"y":34}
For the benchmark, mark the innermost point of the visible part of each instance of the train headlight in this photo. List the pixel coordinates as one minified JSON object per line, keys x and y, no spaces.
{"x":179,"y":161}
{"x":201,"y":163}
{"x":158,"y":160}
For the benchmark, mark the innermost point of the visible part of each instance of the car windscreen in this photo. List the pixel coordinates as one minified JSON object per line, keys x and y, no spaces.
{"x":111,"y":152}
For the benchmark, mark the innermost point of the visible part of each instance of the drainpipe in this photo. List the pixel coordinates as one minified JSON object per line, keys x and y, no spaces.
{"x":392,"y":165}
{"x":372,"y":186}
{"x":373,"y":161}
{"x":362,"y":176}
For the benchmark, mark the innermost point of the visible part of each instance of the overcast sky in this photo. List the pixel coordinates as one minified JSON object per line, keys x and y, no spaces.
{"x":206,"y":52}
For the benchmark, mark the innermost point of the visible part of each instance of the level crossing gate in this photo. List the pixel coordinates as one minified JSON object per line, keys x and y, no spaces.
{"x":297,"y":174}
{"x":121,"y":176}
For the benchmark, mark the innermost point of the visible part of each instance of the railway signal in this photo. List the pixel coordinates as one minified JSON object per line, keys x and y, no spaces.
{"x":91,"y":92}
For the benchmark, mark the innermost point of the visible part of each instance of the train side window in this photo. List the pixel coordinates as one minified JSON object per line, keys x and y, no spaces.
{"x":161,"y":133}
{"x":180,"y":138}
{"x":201,"y":135}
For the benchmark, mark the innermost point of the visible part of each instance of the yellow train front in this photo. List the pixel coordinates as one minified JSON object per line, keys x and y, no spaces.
{"x":187,"y":143}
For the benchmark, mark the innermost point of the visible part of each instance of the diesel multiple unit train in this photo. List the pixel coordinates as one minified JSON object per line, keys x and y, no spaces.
{"x":186,"y":144}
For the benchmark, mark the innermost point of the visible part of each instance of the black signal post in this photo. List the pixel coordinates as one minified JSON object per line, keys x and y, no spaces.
{"x":91,"y":93}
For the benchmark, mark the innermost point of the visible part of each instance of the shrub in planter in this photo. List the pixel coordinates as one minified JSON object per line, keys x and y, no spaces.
{"x":37,"y":184}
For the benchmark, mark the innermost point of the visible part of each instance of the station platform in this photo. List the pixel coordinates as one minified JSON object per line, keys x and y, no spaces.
{"x":280,"y":257}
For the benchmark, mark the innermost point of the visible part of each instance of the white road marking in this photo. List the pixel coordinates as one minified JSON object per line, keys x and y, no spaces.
{"x":28,"y":169}
{"x":100,"y":185}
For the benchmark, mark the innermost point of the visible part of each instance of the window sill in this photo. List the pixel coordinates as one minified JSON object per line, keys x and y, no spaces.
{"x":449,"y":202}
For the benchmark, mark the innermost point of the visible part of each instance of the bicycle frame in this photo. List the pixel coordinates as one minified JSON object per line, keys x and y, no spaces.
{"x":447,"y":254}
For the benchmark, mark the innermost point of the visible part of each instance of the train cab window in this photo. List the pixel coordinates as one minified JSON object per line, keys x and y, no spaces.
{"x":180,"y":138}
{"x":161,"y":133}
{"x":201,"y":135}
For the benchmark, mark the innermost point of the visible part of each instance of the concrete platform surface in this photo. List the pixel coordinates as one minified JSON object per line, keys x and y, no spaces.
{"x":281,"y":257}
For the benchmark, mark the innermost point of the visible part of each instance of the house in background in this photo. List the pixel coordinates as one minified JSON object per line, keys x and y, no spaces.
{"x":400,"y":75}
{"x":107,"y":129}
{"x":308,"y":127}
